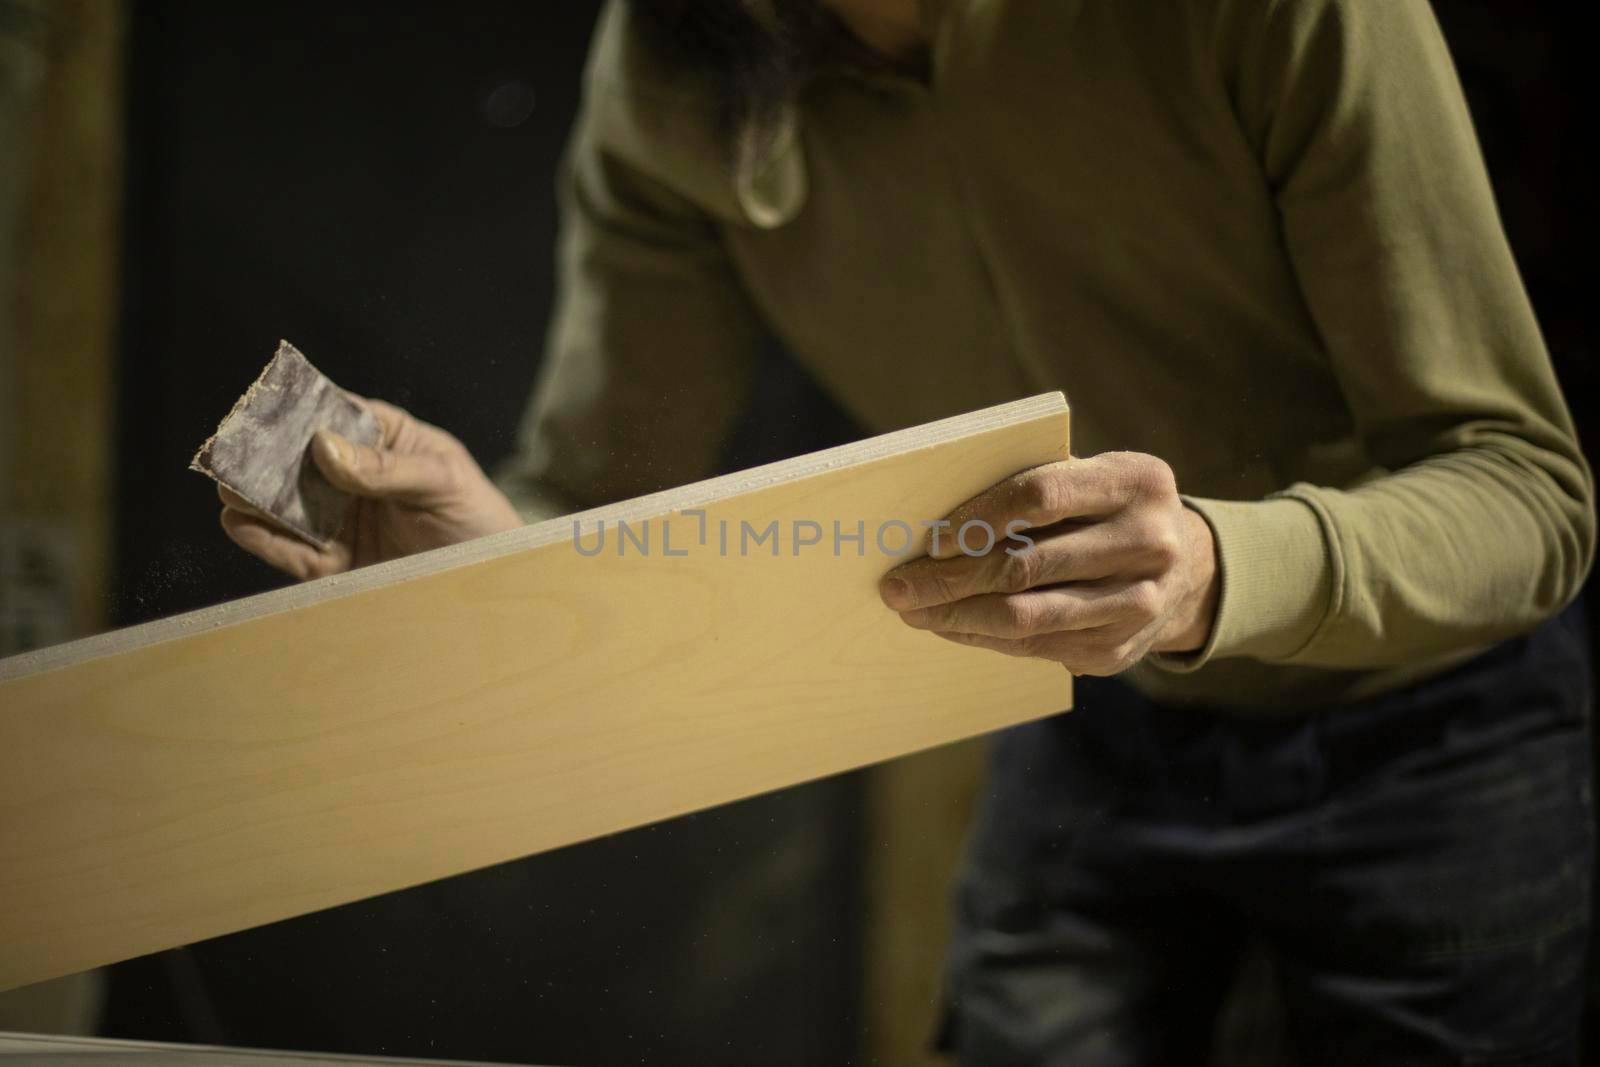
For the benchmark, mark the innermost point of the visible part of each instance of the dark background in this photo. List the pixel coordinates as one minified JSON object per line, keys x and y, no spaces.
{"x":373,"y":181}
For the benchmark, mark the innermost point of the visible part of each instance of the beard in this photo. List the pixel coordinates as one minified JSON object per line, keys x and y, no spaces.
{"x":756,"y":53}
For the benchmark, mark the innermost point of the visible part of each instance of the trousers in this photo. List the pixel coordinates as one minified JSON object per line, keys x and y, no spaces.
{"x":1418,"y":865}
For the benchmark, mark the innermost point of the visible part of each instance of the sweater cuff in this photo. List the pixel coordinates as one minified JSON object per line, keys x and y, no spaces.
{"x":1272,"y":561}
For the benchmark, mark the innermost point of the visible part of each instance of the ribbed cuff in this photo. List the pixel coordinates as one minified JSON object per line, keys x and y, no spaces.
{"x":1276,"y":581}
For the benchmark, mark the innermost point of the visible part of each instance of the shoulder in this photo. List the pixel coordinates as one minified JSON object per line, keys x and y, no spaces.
{"x":658,"y":117}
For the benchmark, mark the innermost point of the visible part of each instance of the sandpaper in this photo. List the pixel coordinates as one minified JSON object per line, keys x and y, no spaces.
{"x":262,"y":450}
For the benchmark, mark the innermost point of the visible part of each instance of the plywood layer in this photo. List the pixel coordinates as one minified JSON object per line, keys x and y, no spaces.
{"x":413,"y":720}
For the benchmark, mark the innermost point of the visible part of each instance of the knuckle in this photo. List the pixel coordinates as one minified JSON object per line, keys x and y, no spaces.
{"x":944,"y":588}
{"x":1098,"y":656}
{"x":1141,"y":527}
{"x":452,"y":475}
{"x":391,"y":416}
{"x":1165,"y":548}
{"x":1145,"y":600}
{"x":1040,"y":494}
{"x":1154,"y":478}
{"x":1122,"y":655}
{"x":1019,"y":618}
{"x":1018,"y":571}
{"x":1152,"y":535}
{"x":1141,"y":474}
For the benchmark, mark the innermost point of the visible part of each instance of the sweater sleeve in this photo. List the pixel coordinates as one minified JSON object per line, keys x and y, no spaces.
{"x":651,"y":346}
{"x":1482,"y":522}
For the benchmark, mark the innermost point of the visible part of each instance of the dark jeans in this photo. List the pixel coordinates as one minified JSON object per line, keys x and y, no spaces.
{"x":1418,"y":865}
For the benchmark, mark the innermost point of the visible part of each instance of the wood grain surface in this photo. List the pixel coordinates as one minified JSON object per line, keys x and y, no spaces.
{"x":413,"y":720}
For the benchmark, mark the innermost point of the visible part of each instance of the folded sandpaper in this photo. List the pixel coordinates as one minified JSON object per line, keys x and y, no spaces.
{"x":262,"y":449}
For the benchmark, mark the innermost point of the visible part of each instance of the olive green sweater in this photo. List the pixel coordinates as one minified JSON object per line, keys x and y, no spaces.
{"x":1252,"y":237}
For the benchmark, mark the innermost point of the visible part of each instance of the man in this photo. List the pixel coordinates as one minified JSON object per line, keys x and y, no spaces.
{"x":1254,"y":241}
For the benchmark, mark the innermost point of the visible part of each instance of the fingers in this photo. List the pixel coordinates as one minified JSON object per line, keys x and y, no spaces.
{"x":1027,"y":647}
{"x":1097,"y":652}
{"x":248,"y":530}
{"x":1093,"y":588}
{"x":392,"y":420}
{"x":1038,"y":612}
{"x":417,"y":478}
{"x":413,"y":462}
{"x":403,"y":431}
{"x":1043,"y":496}
{"x":1077,"y":554}
{"x":233,"y":500}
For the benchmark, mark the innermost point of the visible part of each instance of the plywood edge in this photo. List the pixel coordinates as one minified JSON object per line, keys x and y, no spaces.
{"x":538,"y":535}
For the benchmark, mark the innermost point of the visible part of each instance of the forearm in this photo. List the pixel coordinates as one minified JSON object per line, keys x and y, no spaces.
{"x":1460,"y":549}
{"x":1483,"y":524}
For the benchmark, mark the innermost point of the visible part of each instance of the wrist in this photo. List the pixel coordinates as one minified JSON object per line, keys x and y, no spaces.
{"x":1191,"y":626}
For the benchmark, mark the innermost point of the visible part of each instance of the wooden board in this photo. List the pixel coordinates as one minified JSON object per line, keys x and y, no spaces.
{"x":413,"y":720}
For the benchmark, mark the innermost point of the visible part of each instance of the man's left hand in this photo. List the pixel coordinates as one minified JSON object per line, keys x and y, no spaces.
{"x":1117,"y":567}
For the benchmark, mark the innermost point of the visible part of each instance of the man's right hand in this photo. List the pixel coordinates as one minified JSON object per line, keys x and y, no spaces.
{"x":418,"y":488}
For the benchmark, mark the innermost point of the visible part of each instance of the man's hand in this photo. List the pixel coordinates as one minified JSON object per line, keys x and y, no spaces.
{"x":418,"y":489}
{"x":1118,"y":567}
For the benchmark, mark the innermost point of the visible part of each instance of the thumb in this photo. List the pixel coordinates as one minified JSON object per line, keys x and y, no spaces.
{"x":410,"y":478}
